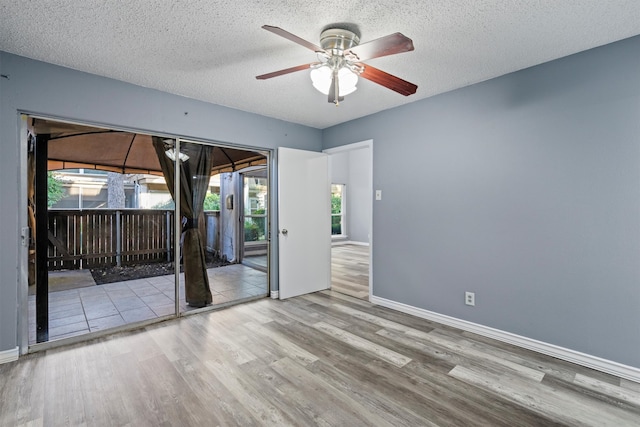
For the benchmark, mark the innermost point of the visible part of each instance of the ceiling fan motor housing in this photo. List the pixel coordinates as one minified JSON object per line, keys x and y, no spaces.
{"x":337,"y":40}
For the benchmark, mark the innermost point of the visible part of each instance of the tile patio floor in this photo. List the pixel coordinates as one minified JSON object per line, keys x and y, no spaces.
{"x":95,"y":308}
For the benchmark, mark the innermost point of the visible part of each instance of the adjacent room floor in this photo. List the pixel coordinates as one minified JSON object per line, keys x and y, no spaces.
{"x":320,"y":359}
{"x":93,"y":307}
{"x":350,"y":270}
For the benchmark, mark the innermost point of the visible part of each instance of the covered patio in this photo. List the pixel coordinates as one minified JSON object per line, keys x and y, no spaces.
{"x":62,"y":313}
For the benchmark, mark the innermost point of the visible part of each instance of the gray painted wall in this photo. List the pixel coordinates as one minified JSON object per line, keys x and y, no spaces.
{"x":51,"y":90}
{"x":352,"y":168}
{"x":359,"y":195}
{"x":523,"y":189}
{"x":339,"y":163}
{"x":8,"y":226}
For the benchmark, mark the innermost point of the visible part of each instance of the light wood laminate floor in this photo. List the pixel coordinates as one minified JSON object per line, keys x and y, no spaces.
{"x":323,"y":359}
{"x":350,"y":270}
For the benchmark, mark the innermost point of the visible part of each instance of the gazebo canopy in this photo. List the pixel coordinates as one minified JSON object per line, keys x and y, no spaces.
{"x":74,"y":146}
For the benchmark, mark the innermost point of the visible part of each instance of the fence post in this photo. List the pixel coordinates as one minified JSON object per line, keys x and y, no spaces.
{"x":118,"y":239}
{"x":168,"y":223}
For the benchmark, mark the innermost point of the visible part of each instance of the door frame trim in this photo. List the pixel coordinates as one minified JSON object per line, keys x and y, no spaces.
{"x":22,"y":327}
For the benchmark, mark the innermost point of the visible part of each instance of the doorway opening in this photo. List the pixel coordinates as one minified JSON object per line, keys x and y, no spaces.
{"x":351,"y":176}
{"x":116,"y":240}
{"x":350,"y":270}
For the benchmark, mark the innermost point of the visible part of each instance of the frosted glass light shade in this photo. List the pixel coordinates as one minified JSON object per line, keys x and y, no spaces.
{"x":321,"y":78}
{"x":171,"y":153}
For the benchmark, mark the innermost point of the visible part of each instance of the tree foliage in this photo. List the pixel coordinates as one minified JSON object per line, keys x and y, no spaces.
{"x":166,"y":205}
{"x":336,"y":204}
{"x":55,"y":190}
{"x":212,"y":202}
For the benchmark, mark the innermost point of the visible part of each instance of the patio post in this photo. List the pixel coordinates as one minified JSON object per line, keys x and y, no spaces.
{"x":119,"y":238}
{"x":168,"y":224}
{"x":42,"y":238}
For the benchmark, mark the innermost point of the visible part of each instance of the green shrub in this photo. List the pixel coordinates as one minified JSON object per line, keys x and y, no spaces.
{"x":251,"y":231}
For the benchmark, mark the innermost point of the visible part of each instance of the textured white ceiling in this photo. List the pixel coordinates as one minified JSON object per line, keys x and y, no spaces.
{"x":212,"y":50}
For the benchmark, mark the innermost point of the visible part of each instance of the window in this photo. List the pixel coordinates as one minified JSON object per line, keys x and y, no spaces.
{"x":337,"y":210}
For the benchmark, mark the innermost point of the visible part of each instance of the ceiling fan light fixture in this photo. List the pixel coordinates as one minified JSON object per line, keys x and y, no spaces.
{"x":321,"y":79}
{"x":170,"y":151}
{"x":340,"y":54}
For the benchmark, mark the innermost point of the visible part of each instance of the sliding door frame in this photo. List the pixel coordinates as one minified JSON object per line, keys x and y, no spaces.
{"x":23,"y":256}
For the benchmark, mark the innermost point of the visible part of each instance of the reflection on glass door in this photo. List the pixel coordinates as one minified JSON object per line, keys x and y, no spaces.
{"x":211,"y":207}
{"x":255,"y":219}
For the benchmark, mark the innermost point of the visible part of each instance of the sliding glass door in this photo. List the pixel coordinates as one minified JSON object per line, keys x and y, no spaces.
{"x":128,"y":228}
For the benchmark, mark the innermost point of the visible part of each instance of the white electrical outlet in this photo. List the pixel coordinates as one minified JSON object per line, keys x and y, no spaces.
{"x":470,"y":298}
{"x":378,"y":194}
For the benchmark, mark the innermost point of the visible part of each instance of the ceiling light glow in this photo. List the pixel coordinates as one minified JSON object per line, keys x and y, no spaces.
{"x":321,"y":78}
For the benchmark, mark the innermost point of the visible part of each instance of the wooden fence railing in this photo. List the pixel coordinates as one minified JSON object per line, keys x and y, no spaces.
{"x":106,"y":237}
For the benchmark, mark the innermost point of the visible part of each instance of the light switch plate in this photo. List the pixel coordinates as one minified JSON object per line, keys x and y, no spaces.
{"x":378,"y":194}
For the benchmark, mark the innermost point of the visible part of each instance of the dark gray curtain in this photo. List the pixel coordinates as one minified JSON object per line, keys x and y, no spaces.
{"x":195,"y":173}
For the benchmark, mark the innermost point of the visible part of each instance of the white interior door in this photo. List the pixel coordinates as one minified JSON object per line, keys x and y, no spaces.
{"x":304,"y":218}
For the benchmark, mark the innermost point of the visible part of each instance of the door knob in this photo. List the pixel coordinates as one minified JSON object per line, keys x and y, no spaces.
{"x":284,"y":231}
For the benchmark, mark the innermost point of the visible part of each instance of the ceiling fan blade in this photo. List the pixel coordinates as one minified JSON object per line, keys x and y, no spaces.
{"x":384,"y":46}
{"x":287,"y":35}
{"x":286,"y":71}
{"x":387,"y":80}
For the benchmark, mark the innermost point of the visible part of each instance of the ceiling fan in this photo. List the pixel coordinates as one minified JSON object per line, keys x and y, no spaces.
{"x":340,"y":57}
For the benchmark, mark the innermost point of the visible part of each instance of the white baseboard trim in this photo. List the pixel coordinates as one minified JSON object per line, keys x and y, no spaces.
{"x":349,"y":242}
{"x":583,"y":359}
{"x":275,"y":294}
{"x":9,"y":355}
